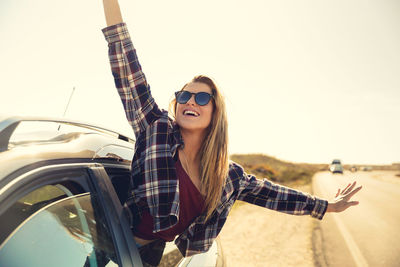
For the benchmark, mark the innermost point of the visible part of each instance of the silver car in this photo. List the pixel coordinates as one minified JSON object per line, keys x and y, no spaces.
{"x":336,"y":166}
{"x":61,"y":187}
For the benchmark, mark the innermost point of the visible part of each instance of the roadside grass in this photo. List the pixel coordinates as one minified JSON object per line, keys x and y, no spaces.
{"x":278,"y":171}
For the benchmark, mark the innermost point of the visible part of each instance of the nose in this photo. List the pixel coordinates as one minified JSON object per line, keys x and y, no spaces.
{"x":191,"y":100}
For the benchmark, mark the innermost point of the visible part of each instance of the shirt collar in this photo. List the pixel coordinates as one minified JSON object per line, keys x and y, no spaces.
{"x":178,"y":140}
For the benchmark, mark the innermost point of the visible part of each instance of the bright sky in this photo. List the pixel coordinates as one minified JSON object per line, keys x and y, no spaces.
{"x":305,"y":81}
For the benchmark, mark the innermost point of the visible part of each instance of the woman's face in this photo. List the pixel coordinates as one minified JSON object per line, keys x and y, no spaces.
{"x":191,"y":116}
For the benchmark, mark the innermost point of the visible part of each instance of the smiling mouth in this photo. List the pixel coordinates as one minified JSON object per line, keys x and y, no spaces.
{"x":191,"y":113}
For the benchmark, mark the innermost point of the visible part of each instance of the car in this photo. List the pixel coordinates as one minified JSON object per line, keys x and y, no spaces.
{"x":62,"y":185}
{"x":366,"y":168}
{"x":353,"y":168}
{"x":336,"y":166}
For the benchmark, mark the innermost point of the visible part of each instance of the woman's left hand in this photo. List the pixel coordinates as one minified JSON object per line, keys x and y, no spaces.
{"x":342,"y":199}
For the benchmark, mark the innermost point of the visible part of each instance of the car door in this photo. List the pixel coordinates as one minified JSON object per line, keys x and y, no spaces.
{"x":64,"y":215}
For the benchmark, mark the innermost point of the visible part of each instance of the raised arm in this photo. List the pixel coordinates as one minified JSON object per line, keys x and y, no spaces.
{"x":112,"y":12}
{"x":130,"y":81}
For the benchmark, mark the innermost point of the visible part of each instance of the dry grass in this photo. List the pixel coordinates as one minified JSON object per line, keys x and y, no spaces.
{"x":282,"y":172}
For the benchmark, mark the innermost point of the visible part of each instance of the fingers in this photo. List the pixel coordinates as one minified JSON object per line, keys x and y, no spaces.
{"x":353,"y":203}
{"x":354,"y":192}
{"x":345,"y":191}
{"x":342,"y":201}
{"x":346,"y":187}
{"x":349,"y":188}
{"x":338,"y":193}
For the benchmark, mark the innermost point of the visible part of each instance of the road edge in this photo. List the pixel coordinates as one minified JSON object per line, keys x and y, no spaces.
{"x":317,"y":242}
{"x":317,"y":239}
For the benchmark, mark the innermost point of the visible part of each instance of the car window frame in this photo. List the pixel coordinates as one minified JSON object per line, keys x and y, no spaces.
{"x":123,"y":238}
{"x":96,"y":181}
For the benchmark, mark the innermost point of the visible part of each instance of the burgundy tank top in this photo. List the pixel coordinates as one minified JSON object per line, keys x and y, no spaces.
{"x":191,"y":204}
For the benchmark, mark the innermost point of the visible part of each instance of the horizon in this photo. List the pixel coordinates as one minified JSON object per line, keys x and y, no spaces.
{"x":318,"y":163}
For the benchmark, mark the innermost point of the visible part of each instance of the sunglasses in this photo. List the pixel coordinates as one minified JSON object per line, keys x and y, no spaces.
{"x":201,"y":98}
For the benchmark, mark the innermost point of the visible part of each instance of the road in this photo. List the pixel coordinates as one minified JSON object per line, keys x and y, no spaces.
{"x":257,"y":237}
{"x":367,"y":234}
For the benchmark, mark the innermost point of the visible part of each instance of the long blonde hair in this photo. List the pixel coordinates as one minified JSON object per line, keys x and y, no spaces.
{"x":214,"y":150}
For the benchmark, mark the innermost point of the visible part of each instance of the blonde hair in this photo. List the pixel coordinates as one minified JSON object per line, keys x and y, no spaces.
{"x":214,"y":150}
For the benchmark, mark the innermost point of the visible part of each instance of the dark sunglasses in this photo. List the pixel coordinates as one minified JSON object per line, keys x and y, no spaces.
{"x":201,"y":98}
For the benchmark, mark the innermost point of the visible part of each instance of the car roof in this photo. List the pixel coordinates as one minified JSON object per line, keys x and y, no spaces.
{"x":46,"y":139}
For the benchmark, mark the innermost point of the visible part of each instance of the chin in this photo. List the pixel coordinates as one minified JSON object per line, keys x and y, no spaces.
{"x":191,"y":126}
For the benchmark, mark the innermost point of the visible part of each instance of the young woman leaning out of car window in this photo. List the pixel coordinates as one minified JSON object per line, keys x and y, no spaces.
{"x":182,"y":184}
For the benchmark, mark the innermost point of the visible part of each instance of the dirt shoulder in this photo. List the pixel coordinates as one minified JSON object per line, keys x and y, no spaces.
{"x":255,"y":236}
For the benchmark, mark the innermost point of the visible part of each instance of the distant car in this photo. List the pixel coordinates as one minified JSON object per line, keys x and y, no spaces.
{"x":366,"y":168}
{"x":336,"y":166}
{"x":353,"y":168}
{"x":62,"y":183}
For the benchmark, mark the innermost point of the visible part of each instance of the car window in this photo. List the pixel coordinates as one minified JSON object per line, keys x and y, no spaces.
{"x":26,"y":133}
{"x":68,"y":232}
{"x":28,"y":205}
{"x":121,"y":180}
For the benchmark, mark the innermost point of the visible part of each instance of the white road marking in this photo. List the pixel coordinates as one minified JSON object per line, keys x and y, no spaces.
{"x":351,"y":244}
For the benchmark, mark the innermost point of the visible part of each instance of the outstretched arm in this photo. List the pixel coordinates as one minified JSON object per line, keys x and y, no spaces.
{"x":112,"y":12}
{"x":277,"y":197}
{"x":342,"y":199}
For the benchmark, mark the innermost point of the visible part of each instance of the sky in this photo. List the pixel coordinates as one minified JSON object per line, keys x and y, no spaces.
{"x":304,"y":81}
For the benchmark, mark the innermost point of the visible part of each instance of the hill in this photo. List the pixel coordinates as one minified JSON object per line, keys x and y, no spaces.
{"x":282,"y":172}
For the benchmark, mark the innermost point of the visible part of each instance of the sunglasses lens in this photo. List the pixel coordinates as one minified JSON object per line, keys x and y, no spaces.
{"x":183,"y":97}
{"x":202,"y":98}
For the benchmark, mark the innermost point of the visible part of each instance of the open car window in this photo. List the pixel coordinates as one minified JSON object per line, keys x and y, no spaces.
{"x":68,"y":232}
{"x":28,"y":205}
{"x":120,"y":179}
{"x":56,"y":219}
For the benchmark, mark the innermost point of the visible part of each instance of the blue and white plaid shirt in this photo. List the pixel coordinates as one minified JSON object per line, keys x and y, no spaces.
{"x":154,"y":183}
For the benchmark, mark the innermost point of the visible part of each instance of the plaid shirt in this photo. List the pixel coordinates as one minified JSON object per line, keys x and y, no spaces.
{"x":154,"y":183}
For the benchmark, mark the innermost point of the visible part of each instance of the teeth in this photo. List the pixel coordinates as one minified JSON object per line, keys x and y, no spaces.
{"x":190,"y":112}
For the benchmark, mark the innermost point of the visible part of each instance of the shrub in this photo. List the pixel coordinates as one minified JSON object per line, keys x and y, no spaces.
{"x":276,"y":170}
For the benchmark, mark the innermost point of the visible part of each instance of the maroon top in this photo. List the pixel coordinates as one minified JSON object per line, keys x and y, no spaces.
{"x":191,"y":204}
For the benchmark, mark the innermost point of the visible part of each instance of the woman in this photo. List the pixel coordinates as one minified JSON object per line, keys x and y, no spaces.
{"x":182,"y":182}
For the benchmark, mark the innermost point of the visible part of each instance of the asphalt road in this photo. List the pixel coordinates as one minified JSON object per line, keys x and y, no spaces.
{"x":364,"y":235}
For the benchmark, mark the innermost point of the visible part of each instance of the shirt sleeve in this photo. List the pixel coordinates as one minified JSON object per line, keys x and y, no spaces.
{"x":280,"y":198}
{"x":130,"y":81}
